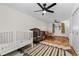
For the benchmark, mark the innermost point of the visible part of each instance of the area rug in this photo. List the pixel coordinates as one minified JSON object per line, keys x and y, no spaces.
{"x":45,"y":50}
{"x":56,"y":45}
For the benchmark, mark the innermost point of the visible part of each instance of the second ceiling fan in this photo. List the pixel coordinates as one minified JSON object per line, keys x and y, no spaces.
{"x":45,"y":8}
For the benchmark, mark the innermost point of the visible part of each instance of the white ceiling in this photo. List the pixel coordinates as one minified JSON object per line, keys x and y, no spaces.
{"x":63,"y":11}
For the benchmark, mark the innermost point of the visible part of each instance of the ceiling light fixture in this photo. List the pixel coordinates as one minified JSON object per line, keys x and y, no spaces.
{"x":44,"y":12}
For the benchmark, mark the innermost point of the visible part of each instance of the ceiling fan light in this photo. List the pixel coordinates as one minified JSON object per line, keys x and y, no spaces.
{"x":44,"y":12}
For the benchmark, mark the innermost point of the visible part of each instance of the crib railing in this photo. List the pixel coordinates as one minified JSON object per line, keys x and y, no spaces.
{"x":13,"y":40}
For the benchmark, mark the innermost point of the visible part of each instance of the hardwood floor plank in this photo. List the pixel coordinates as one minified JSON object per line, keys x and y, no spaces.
{"x":72,"y":51}
{"x":68,"y":54}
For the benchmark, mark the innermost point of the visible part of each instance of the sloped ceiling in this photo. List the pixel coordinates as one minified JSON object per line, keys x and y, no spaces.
{"x":63,"y":11}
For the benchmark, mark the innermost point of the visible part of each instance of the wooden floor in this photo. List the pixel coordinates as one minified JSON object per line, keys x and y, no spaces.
{"x":64,"y":41}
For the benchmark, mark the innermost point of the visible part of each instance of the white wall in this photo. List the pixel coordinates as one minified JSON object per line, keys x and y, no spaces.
{"x":11,"y":19}
{"x":75,"y":31}
{"x":49,"y":27}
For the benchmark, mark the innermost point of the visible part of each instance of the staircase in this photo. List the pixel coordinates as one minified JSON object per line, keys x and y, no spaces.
{"x":46,"y":50}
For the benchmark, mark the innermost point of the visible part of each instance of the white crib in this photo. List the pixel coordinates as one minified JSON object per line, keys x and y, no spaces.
{"x":13,"y":40}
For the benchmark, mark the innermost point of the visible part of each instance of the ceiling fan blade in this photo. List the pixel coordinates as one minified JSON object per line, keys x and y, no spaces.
{"x":50,"y":11}
{"x":51,"y":5}
{"x":38,"y":10}
{"x":40,"y":5}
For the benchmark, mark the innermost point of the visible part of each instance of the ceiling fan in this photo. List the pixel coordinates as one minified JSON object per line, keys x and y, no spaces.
{"x":45,"y":8}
